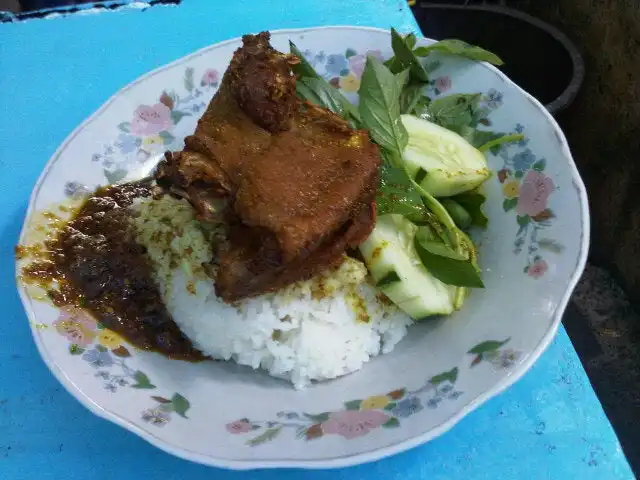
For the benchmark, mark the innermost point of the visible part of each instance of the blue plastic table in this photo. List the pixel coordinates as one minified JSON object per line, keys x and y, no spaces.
{"x":56,"y":72}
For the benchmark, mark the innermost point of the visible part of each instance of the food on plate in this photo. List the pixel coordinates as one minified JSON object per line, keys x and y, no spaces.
{"x":316,"y":329}
{"x":440,"y":160}
{"x":294,"y":183}
{"x":95,"y":262}
{"x":295,"y":232}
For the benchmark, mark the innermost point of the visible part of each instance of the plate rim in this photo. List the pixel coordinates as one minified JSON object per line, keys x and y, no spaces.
{"x":332,"y":462}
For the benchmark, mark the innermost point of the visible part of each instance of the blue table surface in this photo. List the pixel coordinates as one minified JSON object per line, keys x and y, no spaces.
{"x":56,"y":72}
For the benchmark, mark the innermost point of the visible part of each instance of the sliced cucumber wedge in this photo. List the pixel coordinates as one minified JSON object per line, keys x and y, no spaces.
{"x":441,"y":161}
{"x":395,"y":267}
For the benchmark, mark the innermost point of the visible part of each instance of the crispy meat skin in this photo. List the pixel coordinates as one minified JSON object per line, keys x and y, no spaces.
{"x":300,"y":184}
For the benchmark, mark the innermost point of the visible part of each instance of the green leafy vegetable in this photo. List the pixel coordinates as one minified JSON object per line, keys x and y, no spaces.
{"x":449,"y":226}
{"x":421,"y":108}
{"x":303,"y":68}
{"x":404,"y":57}
{"x":403,"y":77}
{"x":514,"y":137}
{"x":461,"y":113}
{"x":410,"y":96}
{"x":306,"y":93}
{"x":447,"y":265}
{"x":397,"y":195}
{"x":311,"y":86}
{"x":410,"y":40}
{"x":411,"y":90}
{"x":461,"y":49}
{"x":472,"y":203}
{"x":457,"y":212}
{"x":387,"y":91}
{"x":380,"y":107}
{"x":321,"y":93}
{"x":455,"y":111}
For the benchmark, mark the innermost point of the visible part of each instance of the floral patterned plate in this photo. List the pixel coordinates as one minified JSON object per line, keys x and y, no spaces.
{"x":533,"y":253}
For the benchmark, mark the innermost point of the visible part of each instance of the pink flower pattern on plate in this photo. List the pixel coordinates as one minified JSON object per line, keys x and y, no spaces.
{"x":239,"y":426}
{"x":151,"y":120}
{"x":75,"y":332}
{"x":354,"y":423}
{"x":538,"y":269}
{"x":357,"y":62}
{"x":534,"y":193}
{"x":77,"y":315}
{"x":76,"y":325}
{"x":210,"y":77}
{"x":442,"y":84}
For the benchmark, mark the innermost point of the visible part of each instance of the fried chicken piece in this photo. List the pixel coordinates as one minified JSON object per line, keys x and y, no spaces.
{"x":298,"y":183}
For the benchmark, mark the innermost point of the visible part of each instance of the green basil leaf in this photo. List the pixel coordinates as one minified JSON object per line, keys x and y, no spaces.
{"x":472,"y":203}
{"x":421,"y":51}
{"x":447,"y":265}
{"x":397,"y":195}
{"x":410,"y":40}
{"x":303,"y":68}
{"x":380,"y":107}
{"x":306,"y":93}
{"x":455,"y":111}
{"x":403,"y":78}
{"x":410,"y":96}
{"x":460,"y":49}
{"x":327,"y":96}
{"x":321,"y":89}
{"x":404,"y":58}
{"x":441,"y":250}
{"x":393,"y":64}
{"x":421,"y":108}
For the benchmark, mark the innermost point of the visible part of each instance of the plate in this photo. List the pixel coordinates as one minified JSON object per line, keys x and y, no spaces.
{"x":221,"y":414}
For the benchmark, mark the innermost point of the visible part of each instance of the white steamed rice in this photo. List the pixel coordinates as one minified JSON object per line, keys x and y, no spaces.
{"x":315,"y":330}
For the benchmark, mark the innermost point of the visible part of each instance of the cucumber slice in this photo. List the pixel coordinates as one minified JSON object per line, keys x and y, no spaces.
{"x":392,"y":262}
{"x":441,"y":161}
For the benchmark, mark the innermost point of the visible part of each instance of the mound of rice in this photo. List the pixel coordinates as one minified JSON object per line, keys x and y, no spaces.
{"x":314,"y":330}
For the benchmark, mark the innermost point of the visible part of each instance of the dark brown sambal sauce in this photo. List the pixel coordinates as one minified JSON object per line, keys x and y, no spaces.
{"x":95,"y":263}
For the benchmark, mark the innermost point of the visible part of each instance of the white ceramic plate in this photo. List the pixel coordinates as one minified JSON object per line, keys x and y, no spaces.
{"x":533,"y":253}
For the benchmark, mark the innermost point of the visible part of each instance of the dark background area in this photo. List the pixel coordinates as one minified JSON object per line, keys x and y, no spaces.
{"x":602,"y":125}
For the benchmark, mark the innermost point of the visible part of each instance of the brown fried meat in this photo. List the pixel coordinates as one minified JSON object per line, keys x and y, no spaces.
{"x":298,"y":184}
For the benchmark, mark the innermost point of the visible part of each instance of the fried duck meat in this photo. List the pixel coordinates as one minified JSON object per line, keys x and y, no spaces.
{"x":295,"y":183}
